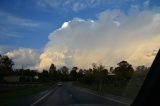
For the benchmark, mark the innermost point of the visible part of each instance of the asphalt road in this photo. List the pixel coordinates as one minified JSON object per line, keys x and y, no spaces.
{"x":69,"y":95}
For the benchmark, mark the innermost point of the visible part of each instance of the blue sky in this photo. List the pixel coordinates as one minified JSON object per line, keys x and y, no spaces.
{"x":33,"y":33}
{"x":27,"y":23}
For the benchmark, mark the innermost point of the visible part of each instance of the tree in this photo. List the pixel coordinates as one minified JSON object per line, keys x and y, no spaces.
{"x":141,"y":68}
{"x":5,"y":66}
{"x":141,"y":71}
{"x":44,"y":75}
{"x":124,"y":70}
{"x":65,"y":72}
{"x":88,"y":76}
{"x":111,"y":69}
{"x":52,"y":68}
{"x":74,"y":74}
{"x":28,"y":72}
{"x":80,"y":75}
{"x":75,"y":68}
{"x":53,"y":74}
{"x":100,"y":73}
{"x":6,"y":63}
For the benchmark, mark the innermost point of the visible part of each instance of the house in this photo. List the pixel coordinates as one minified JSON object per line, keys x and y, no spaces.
{"x":12,"y":78}
{"x":16,"y":78}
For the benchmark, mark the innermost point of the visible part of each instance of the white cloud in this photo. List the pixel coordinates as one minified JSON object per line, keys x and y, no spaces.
{"x":6,"y":18}
{"x":5,"y":48}
{"x":63,"y":6}
{"x":9,"y":24}
{"x":146,"y":3}
{"x":24,"y":57}
{"x":113,"y":37}
{"x":50,"y":3}
{"x":65,"y":25}
{"x":67,"y":5}
{"x":78,"y":6}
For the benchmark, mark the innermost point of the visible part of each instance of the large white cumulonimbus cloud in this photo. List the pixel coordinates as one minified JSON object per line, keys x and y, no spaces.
{"x":112,"y":37}
{"x":24,"y":58}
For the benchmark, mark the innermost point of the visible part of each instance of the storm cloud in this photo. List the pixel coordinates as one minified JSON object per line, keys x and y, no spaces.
{"x":112,"y":37}
{"x":24,"y":58}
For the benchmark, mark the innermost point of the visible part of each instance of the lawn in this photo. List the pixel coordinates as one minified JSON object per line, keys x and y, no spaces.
{"x":129,"y":91}
{"x":14,"y":94}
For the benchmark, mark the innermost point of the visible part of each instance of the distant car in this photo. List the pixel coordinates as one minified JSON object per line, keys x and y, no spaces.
{"x":59,"y":84}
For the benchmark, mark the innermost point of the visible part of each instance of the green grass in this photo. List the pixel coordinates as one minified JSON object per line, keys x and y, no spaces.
{"x":119,"y":90}
{"x":11,"y":96}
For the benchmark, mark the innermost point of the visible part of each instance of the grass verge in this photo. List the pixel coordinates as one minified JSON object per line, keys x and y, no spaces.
{"x":14,"y":95}
{"x":110,"y":89}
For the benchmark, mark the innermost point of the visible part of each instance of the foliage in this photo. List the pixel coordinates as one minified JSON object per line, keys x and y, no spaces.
{"x":52,"y":68}
{"x":97,"y":74}
{"x":124,"y":70}
{"x":74,"y":74}
{"x":5,"y":66}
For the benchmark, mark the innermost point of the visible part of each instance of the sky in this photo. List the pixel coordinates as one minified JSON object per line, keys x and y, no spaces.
{"x":36,"y":33}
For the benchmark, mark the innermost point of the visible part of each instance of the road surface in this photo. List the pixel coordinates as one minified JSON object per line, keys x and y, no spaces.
{"x":69,"y":95}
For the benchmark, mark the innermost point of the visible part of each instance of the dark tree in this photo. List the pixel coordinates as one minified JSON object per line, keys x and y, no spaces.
{"x":28,"y":72}
{"x":73,"y":74}
{"x":141,"y":72}
{"x":100,"y":73}
{"x":141,"y":68}
{"x":5,"y":66}
{"x":124,"y":70}
{"x":53,"y":74}
{"x":75,"y":68}
{"x":64,"y":70}
{"x":88,"y":76}
{"x":80,"y":75}
{"x":111,"y":69}
{"x":44,"y":75}
{"x":65,"y":73}
{"x":52,"y":68}
{"x":6,"y":63}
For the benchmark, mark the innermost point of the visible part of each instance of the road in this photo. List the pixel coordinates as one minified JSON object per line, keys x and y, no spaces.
{"x":69,"y":95}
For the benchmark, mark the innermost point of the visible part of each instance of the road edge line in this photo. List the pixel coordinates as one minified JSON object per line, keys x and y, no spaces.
{"x":44,"y":96}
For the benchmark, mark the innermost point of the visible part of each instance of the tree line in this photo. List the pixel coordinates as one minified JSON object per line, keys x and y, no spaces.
{"x":97,"y":74}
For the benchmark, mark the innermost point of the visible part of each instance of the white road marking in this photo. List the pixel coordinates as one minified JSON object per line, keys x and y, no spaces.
{"x":42,"y":98}
{"x":83,"y":90}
